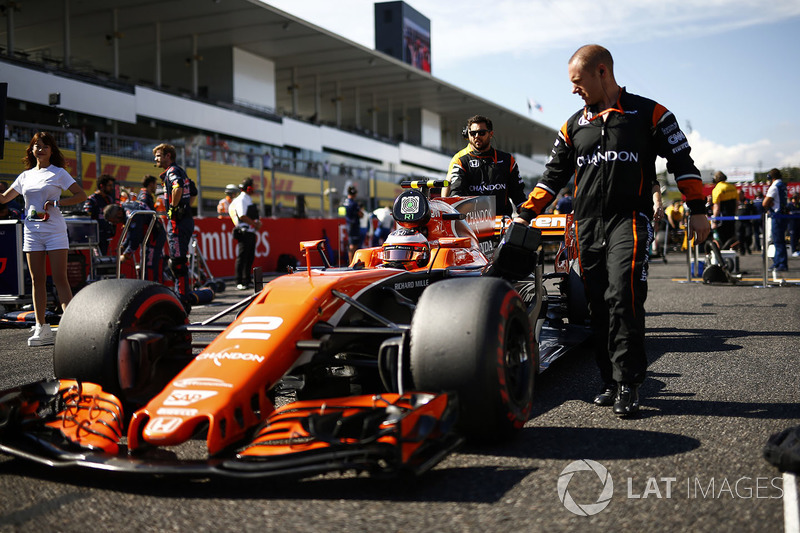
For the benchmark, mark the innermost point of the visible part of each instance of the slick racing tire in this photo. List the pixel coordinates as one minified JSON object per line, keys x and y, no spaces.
{"x":104,"y":313}
{"x":473,"y":337}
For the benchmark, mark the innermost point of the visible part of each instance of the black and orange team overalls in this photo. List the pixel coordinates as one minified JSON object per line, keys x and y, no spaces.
{"x":489,"y":173}
{"x":180,"y":226}
{"x":611,"y":154}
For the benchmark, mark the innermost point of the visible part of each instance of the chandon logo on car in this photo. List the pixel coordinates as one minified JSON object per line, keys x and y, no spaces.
{"x":218,"y":357}
{"x":478,"y":216}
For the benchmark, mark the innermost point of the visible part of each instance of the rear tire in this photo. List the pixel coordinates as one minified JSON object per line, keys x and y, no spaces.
{"x":472,"y":336}
{"x":97,"y":319}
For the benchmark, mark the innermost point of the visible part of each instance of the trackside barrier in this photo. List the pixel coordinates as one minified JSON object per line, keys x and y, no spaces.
{"x":764,"y":241}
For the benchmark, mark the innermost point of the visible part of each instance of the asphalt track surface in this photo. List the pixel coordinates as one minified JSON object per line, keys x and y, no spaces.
{"x":723,"y":377}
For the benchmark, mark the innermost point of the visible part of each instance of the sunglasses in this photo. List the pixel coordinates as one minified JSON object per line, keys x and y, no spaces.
{"x":476,"y":133}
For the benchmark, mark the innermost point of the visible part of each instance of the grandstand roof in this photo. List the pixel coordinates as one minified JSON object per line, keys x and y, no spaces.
{"x":291,"y":43}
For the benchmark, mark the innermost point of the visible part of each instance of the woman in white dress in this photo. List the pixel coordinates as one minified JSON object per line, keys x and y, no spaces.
{"x":41,"y":185}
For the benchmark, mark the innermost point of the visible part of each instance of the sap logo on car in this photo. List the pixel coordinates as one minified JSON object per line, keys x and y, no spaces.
{"x":162,"y":424}
{"x":182,"y":398}
{"x":218,"y":357}
{"x":201,"y":382}
{"x":173,"y":411}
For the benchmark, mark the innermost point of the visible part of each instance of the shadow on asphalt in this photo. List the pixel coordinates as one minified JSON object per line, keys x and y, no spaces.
{"x":566,"y":443}
{"x":443,"y":484}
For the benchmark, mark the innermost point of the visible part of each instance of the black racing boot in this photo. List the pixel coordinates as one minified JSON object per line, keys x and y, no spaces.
{"x":627,"y":402}
{"x":606,"y":396}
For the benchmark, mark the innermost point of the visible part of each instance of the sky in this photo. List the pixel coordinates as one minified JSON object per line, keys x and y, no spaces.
{"x":728,"y":69}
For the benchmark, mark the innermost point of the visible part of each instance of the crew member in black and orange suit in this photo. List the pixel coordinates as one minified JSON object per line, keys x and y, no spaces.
{"x":480,"y":170}
{"x":177,"y":196}
{"x":609,"y":147}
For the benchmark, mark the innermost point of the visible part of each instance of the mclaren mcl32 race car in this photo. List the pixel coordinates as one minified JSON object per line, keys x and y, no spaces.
{"x":382,"y":367}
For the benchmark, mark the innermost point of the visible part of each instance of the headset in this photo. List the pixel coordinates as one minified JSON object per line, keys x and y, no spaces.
{"x":247,"y":186}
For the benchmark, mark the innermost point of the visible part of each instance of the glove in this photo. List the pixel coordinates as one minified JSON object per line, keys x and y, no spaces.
{"x":176,"y":213}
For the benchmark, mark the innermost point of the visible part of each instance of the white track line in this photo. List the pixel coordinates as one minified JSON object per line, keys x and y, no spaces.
{"x":791,"y":520}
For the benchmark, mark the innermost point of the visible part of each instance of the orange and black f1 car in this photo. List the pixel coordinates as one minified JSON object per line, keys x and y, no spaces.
{"x":382,"y":367}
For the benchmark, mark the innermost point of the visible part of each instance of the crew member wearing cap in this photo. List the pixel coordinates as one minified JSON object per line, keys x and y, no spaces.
{"x":224,"y":205}
{"x":244,"y":214}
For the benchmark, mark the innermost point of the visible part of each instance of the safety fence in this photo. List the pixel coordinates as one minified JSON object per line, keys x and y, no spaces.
{"x":694,"y":263}
{"x":288,"y":185}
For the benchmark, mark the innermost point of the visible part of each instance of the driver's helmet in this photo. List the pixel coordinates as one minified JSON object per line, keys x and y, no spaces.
{"x":405,"y":248}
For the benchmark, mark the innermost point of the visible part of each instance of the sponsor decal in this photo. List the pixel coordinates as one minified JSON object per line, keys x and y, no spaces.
{"x":172,"y":411}
{"x":676,"y":138}
{"x":218,"y":357}
{"x":163,"y":424}
{"x":474,"y":163}
{"x":489,"y":187}
{"x":181,"y":398}
{"x":680,"y":147}
{"x":411,"y":284}
{"x":550,"y":222}
{"x":479,"y":216}
{"x":582,"y":121}
{"x":201,"y":382}
{"x":609,"y":155}
{"x":669,"y":129}
{"x":409,"y":205}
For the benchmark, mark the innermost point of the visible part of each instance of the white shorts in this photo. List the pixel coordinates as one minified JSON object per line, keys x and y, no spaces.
{"x":33,"y":241}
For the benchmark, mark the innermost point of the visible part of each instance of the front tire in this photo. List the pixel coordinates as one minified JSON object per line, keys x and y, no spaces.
{"x":109,"y":313}
{"x":472,"y":336}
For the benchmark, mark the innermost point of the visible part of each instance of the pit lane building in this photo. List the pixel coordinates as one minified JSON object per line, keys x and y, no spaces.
{"x":230,"y":81}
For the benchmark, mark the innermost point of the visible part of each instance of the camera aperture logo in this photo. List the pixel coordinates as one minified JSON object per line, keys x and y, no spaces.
{"x":409,"y":205}
{"x":585,"y":509}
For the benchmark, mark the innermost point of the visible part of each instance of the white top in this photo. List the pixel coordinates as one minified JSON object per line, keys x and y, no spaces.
{"x":37,"y":186}
{"x":238,"y":208}
{"x":773,"y":193}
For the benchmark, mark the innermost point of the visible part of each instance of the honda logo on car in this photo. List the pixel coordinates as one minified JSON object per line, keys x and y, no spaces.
{"x":163,"y":424}
{"x":182,"y":398}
